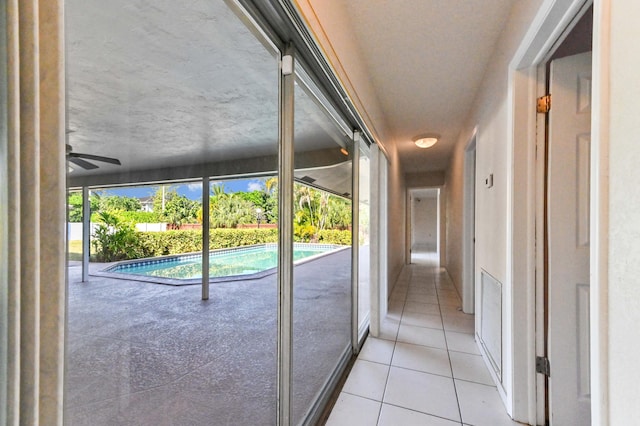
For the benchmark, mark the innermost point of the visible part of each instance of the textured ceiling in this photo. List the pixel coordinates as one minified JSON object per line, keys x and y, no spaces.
{"x":162,"y":85}
{"x":425,"y":60}
{"x":165,"y":85}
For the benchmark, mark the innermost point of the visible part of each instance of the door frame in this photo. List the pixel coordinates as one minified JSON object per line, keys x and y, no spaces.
{"x":469,"y":227}
{"x":378,"y":272}
{"x":543,"y":325}
{"x":409,"y":231}
{"x":522,"y":392}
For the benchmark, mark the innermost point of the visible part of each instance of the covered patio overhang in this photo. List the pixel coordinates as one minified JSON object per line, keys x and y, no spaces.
{"x":197,"y":102}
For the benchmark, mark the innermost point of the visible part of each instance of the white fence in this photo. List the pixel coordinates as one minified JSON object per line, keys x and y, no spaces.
{"x":151,"y":227}
{"x":74,"y":230}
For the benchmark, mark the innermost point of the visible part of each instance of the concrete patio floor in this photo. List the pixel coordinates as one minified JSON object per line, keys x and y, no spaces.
{"x":150,"y":354}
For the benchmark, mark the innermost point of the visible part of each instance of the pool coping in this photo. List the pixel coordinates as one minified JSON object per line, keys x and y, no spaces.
{"x":194,"y":281}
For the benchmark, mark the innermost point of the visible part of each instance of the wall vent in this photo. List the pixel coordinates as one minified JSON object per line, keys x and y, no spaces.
{"x":490,"y":332}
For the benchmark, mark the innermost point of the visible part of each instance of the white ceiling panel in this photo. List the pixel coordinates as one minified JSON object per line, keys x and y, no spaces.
{"x":426,"y":60}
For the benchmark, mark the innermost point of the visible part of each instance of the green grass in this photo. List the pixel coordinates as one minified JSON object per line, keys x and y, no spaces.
{"x":75,"y":250}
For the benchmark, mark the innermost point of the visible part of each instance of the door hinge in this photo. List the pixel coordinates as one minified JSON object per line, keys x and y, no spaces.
{"x":543,"y":366}
{"x":543,"y":105}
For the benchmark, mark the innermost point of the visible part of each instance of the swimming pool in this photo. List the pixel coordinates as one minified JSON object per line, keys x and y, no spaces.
{"x":226,"y":264}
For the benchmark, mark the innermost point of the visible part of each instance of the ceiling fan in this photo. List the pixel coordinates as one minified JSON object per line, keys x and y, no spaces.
{"x":78,"y":159}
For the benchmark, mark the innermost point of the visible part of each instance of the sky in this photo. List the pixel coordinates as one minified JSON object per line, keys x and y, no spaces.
{"x":191,"y":190}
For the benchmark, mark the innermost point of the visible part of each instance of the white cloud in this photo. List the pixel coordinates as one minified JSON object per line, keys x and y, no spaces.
{"x":254,"y":186}
{"x":196,"y":186}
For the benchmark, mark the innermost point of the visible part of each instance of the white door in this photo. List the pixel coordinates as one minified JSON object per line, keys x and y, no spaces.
{"x":568,"y":240}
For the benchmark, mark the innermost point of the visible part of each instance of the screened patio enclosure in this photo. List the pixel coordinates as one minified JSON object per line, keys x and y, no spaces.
{"x":200,"y":93}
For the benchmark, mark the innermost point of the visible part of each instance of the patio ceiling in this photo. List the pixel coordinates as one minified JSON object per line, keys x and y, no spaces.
{"x":178,"y":92}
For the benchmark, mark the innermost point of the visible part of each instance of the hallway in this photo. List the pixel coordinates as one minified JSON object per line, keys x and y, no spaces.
{"x":425,"y":369}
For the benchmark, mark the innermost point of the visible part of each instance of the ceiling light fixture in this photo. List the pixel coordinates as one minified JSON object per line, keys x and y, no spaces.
{"x":344,"y":151}
{"x":425,"y":141}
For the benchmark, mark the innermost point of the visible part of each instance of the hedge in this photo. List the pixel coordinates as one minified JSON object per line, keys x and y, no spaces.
{"x":175,"y":242}
{"x":335,"y":236}
{"x":130,"y":216}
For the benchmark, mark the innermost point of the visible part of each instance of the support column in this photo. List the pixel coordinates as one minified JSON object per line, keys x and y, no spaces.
{"x":29,"y":177}
{"x":37,"y":212}
{"x":86,"y":232}
{"x":205,"y":238}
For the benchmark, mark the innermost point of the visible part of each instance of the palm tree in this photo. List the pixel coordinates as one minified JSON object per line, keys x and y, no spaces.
{"x":271,"y":185}
{"x":304,"y":200}
{"x":230,"y":211}
{"x":217,"y":190}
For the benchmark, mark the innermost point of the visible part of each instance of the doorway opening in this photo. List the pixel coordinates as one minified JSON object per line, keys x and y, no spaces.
{"x":424,"y":224}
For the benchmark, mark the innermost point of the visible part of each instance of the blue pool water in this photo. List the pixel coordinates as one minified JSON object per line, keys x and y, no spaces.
{"x":222,"y":263}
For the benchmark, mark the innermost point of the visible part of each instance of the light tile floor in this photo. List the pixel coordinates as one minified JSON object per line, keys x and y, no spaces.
{"x":425,"y":368}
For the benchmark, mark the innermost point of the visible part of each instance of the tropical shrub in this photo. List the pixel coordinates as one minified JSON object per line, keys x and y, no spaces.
{"x":229,"y":211}
{"x":74,"y":203}
{"x":114,"y":239}
{"x":316,"y":211}
{"x":130,"y":217}
{"x":304,"y":233}
{"x":263,"y":200}
{"x":335,"y":236}
{"x":179,"y":209}
{"x":139,"y":217}
{"x":117,"y":202}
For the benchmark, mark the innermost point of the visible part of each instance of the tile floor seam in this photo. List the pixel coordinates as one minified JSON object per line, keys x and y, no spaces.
{"x":455,"y":388}
{"x":432,"y":374}
{"x":386,"y":383}
{"x":422,"y":326}
{"x":424,"y":346}
{"x":375,"y":362}
{"x":477,"y":383}
{"x":360,"y":396}
{"x":380,"y":411}
{"x":420,"y":412}
{"x":463,"y":352}
{"x":384,"y":338}
{"x":393,"y":352}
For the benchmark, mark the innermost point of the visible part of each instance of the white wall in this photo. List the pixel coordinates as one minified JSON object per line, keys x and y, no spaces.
{"x":396,"y":221}
{"x":424,"y":223}
{"x":616,"y":133}
{"x":491,"y":115}
{"x":330,"y":25}
{"x":425,"y":179}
